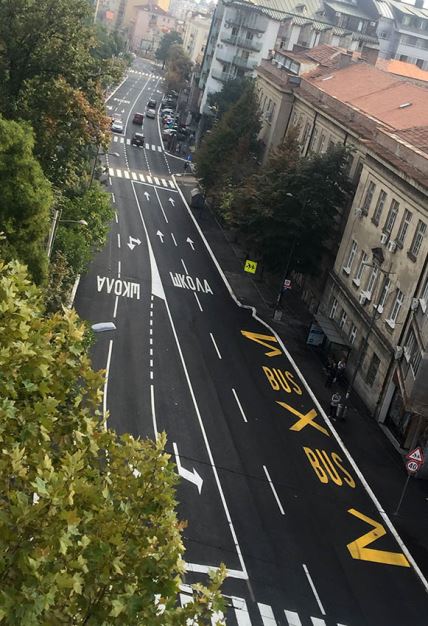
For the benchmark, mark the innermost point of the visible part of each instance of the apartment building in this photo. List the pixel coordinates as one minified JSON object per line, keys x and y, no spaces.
{"x":196,"y":32}
{"x":148,"y":26}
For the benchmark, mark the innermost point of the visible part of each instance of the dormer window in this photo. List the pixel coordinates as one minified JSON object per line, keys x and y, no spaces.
{"x":300,"y":8}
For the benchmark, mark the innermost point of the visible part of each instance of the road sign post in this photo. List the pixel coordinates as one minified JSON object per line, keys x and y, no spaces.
{"x":414,"y":460}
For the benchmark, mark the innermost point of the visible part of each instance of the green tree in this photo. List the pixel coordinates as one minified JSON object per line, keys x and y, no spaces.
{"x":88,"y":529}
{"x":288,"y":210}
{"x":168,"y":40}
{"x":222,"y":100}
{"x":26,"y":199}
{"x":229,"y":152}
{"x":178,"y":66}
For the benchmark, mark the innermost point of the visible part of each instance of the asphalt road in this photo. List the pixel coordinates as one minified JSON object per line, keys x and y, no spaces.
{"x":268,"y":487}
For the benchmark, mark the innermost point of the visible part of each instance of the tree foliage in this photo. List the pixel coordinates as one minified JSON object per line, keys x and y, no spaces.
{"x":88,"y":529}
{"x":168,"y":40}
{"x":178,"y":66}
{"x":222,"y":100}
{"x":26,"y":198}
{"x":288,"y":209}
{"x":228,"y":153}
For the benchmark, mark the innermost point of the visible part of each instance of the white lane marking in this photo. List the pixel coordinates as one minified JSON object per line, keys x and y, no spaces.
{"x":152,"y":400}
{"x":113,"y":198}
{"x":141,"y":177}
{"x":206,"y":569}
{"x":160,"y":204}
{"x":110,"y":347}
{"x":115,"y":138}
{"x":292,"y":618}
{"x":159,"y":149}
{"x":126,"y":173}
{"x":109,"y":181}
{"x":116,"y":302}
{"x":215,"y":345}
{"x":278,"y":501}
{"x":151,"y":375}
{"x":184,"y":599}
{"x":182,"y":263}
{"x":153,"y":146}
{"x":119,"y":173}
{"x":171,"y":184}
{"x":315,"y":592}
{"x":241,"y":611}
{"x":118,"y":240}
{"x":122,"y":140}
{"x":266,"y":614}
{"x":237,"y":401}
{"x":149,"y":179}
{"x":119,"y":266}
{"x":157,"y":182}
{"x":111,"y":171}
{"x":197,"y":300}
{"x":147,"y":146}
{"x":116,"y":219}
{"x":164,"y":183}
{"x":128,"y":142}
{"x":134,"y":175}
{"x":316,"y":621}
{"x":173,"y":238}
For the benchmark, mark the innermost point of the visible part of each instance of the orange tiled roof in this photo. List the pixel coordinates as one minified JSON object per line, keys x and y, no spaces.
{"x":402,"y":69}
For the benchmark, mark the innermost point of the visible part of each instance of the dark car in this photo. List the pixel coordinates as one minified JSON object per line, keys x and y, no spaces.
{"x":137,"y":140}
{"x":152,"y":104}
{"x":138,"y":118}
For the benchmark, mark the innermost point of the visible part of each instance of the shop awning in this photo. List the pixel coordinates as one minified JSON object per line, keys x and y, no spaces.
{"x":331,"y":331}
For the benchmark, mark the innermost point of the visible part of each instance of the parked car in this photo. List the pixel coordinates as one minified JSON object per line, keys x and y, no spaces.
{"x":138,"y":118}
{"x":167,"y":111}
{"x":138,"y":140}
{"x":117,"y":125}
{"x":152,"y":103}
{"x":151,"y":113}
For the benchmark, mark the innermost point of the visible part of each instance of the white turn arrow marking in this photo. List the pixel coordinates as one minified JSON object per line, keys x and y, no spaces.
{"x":172,"y":201}
{"x":133,"y":242}
{"x":192,"y":477}
{"x":190,"y":242}
{"x":146,"y":193}
{"x":160,"y":235}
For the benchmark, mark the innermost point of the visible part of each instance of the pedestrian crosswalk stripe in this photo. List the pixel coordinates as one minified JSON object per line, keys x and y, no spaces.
{"x":115,"y":138}
{"x":149,"y":179}
{"x":126,"y":174}
{"x":119,"y":173}
{"x":292,"y":618}
{"x":185,"y":599}
{"x":111,"y":171}
{"x":134,"y":175}
{"x":164,"y":183}
{"x":171,"y":184}
{"x":316,"y":621}
{"x":159,"y":149}
{"x":156,"y":180}
{"x":141,"y":177}
{"x":128,"y":142}
{"x":266,"y":615}
{"x":147,"y":146}
{"x":153,"y":147}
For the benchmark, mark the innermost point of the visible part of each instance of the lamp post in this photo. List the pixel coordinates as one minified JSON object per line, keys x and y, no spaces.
{"x":53,"y":230}
{"x":378,"y":260}
{"x":287,"y":267}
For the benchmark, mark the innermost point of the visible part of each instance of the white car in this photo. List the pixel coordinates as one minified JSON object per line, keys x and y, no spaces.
{"x":117,"y":126}
{"x":151,"y":113}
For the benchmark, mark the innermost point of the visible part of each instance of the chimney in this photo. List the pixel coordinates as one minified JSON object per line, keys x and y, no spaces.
{"x":343,"y":60}
{"x":369,"y":55}
{"x":419,"y":4}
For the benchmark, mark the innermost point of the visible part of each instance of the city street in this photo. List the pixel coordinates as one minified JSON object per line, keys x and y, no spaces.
{"x":267,"y":486}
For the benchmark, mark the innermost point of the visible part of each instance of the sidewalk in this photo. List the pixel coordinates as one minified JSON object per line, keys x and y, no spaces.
{"x":378,"y":460}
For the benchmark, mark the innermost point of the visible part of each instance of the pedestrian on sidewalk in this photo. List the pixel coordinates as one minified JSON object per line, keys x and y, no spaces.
{"x":340,"y":370}
{"x":331,"y":373}
{"x":186,"y":165}
{"x":334,"y":403}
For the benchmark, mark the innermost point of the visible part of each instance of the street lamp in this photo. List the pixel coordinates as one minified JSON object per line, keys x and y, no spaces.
{"x":52,"y":233}
{"x":378,"y":260}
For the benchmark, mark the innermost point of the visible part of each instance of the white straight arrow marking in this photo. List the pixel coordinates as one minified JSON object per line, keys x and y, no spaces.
{"x":172,"y":201}
{"x":160,"y":235}
{"x":192,"y":477}
{"x":146,"y":193}
{"x":190,"y":242}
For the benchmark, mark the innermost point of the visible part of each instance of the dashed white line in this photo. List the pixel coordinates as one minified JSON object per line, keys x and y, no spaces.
{"x":197,"y":300}
{"x":274,"y":490}
{"x":118,"y":240}
{"x":116,"y":302}
{"x":238,"y":402}
{"x":182,"y":263}
{"x":315,"y":592}
{"x":109,"y":180}
{"x":215,"y":346}
{"x":113,"y":198}
{"x":116,"y":219}
{"x":173,"y":238}
{"x":119,"y":267}
{"x":151,"y":375}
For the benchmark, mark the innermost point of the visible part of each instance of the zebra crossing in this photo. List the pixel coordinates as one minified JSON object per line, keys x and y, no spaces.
{"x":148,"y":146}
{"x":238,"y":614}
{"x":142,"y":178}
{"x":139,"y":73}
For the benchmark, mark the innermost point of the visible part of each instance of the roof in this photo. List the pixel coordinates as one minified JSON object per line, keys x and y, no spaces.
{"x":348,"y":9}
{"x":395,"y":103}
{"x":277,"y":9}
{"x":383,"y":8}
{"x":324,"y":54}
{"x":416,"y":136}
{"x":408,"y":9}
{"x":400,"y":68}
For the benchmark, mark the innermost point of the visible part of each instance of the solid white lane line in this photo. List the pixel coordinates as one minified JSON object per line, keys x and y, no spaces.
{"x":266,"y":614}
{"x":110,"y":347}
{"x":241,"y":611}
{"x":116,"y":302}
{"x":273,"y":490}
{"x":315,"y":592}
{"x":156,"y":180}
{"x":173,"y":238}
{"x":185,"y":268}
{"x":215,"y":345}
{"x":292,"y":618}
{"x":118,"y":240}
{"x":119,"y":266}
{"x":237,"y":401}
{"x":197,"y":300}
{"x":126,"y":174}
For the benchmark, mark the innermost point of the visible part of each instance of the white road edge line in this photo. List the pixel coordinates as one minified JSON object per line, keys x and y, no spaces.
{"x":278,"y":501}
{"x":238,"y":403}
{"x":197,"y":300}
{"x":345,"y":450}
{"x":215,"y":345}
{"x":110,"y":347}
{"x":184,"y":267}
{"x":315,"y":592}
{"x":152,"y":401}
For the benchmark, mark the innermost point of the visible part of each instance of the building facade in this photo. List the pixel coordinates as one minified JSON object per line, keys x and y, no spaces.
{"x":196,"y":32}
{"x":149,"y":25}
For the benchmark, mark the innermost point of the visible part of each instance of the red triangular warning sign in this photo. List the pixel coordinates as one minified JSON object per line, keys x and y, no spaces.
{"x":415,"y":455}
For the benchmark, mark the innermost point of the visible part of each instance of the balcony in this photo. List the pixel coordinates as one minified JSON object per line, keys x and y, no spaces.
{"x":247,"y":65}
{"x":223,"y":77}
{"x":247,"y":19}
{"x":242,"y":42}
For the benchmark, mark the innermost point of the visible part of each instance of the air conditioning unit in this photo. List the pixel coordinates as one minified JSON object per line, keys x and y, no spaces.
{"x":383,"y":238}
{"x":398,"y":353}
{"x":392,"y":246}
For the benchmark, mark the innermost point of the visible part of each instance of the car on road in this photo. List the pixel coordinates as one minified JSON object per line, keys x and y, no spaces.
{"x":152,"y":103}
{"x":138,"y":140}
{"x":151,"y":113}
{"x":138,"y":118}
{"x":117,"y":125}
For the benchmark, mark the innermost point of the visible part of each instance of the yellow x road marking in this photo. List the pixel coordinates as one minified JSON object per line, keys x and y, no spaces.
{"x":305,"y":419}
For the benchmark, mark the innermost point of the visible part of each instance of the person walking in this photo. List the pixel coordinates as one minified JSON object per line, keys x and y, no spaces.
{"x":186,"y":165}
{"x":334,"y":403}
{"x":331,"y":374}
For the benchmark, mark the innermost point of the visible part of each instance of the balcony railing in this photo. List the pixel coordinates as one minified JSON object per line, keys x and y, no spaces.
{"x":242,"y":42}
{"x":223,"y":77}
{"x":238,"y":61}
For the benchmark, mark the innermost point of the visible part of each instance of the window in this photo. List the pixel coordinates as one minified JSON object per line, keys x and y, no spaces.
{"x":331,"y":144}
{"x":415,"y":360}
{"x":379,"y":208}
{"x":424,"y":295}
{"x":418,"y":238}
{"x":333,"y":309}
{"x":352,"y":334}
{"x":403,"y":57}
{"x":314,"y":139}
{"x":410,"y":345}
{"x":398,"y":303}
{"x":321,"y":144}
{"x":361,"y":266}
{"x":235,"y":30}
{"x":306,"y":133}
{"x":383,"y":295}
{"x":343,"y":319}
{"x":404,"y":227}
{"x":249,"y":35}
{"x":372,"y":370}
{"x":372,"y":281}
{"x":351,"y":257}
{"x":368,"y":197}
{"x":392,"y":216}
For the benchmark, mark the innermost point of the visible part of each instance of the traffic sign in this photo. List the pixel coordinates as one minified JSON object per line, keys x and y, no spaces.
{"x":287,"y":284}
{"x":250,"y":266}
{"x":412,"y":466}
{"x":416,"y":455}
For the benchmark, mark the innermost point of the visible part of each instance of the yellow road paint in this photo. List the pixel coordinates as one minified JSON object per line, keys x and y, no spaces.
{"x":264,"y":340}
{"x":305,"y":419}
{"x":281,"y":380}
{"x":359,"y":550}
{"x":328,"y":467}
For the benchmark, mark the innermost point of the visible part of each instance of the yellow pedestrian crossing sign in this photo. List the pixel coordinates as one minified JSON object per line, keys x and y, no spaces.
{"x":250,"y":266}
